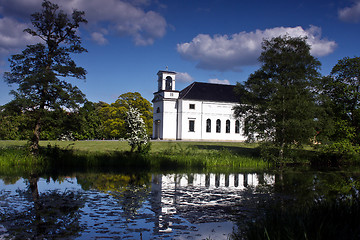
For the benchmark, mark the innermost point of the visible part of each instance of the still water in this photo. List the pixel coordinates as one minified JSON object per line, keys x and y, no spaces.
{"x":153,"y":206}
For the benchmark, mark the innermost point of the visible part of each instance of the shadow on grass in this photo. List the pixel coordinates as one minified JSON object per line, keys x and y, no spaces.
{"x":241,"y":151}
{"x":115,"y":161}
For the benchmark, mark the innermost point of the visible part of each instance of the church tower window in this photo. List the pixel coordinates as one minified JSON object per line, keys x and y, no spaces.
{"x":168,"y":83}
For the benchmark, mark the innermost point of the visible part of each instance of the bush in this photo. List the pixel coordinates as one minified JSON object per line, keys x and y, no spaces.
{"x":337,"y":153}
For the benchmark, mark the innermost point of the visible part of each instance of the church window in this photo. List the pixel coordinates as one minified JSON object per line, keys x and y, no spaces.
{"x":168,"y":83}
{"x":237,"y":126}
{"x":158,"y":110}
{"x":208,"y":125}
{"x":191,"y":125}
{"x":218,"y":126}
{"x":191,"y":106}
{"x":227,"y":126}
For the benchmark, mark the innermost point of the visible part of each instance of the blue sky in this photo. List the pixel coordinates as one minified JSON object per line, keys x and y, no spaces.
{"x":128,"y":41}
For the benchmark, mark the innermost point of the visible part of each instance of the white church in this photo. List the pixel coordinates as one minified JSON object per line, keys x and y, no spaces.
{"x":201,"y":111}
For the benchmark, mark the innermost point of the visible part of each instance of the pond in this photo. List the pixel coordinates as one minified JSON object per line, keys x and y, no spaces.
{"x":103,"y":205}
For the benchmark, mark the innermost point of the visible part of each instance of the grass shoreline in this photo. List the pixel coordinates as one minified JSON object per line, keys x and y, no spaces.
{"x":163,"y":156}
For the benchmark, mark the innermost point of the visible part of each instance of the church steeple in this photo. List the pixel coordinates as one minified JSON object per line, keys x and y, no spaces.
{"x":166,"y":81}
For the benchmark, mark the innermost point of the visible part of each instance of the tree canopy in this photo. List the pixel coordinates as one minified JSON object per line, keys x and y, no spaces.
{"x":40,"y":71}
{"x":343,"y":90}
{"x":113,"y":115}
{"x":277,"y":101}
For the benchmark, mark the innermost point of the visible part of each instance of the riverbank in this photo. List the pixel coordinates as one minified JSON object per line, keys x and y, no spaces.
{"x":115,"y":155}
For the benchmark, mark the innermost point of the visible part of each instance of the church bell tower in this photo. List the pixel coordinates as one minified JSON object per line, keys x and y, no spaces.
{"x":165,"y":107}
{"x":166,"y":81}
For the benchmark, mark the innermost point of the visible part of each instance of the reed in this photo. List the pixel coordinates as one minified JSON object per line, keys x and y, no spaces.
{"x":18,"y":160}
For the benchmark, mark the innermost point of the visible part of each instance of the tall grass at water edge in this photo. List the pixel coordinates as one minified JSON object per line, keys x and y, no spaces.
{"x":163,"y":155}
{"x":211,"y":157}
{"x":18,"y":160}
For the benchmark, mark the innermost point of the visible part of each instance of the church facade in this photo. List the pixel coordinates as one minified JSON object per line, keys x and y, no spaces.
{"x":201,"y":111}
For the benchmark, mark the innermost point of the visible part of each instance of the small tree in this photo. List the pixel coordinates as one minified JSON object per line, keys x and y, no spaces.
{"x":136,"y":131}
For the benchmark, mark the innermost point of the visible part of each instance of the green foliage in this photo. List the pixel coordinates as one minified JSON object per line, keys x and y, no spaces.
{"x":342,"y":89}
{"x":113,"y":115}
{"x":341,"y":152}
{"x":19,"y":159}
{"x":40,"y":70}
{"x":277,"y":101}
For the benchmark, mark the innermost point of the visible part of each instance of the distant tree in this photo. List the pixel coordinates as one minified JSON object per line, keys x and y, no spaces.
{"x":14,"y":123}
{"x":277,"y":101}
{"x":113,"y":115}
{"x":40,"y":70}
{"x":113,"y":120}
{"x":136,"y":131}
{"x":86,"y":123}
{"x":135,"y":100}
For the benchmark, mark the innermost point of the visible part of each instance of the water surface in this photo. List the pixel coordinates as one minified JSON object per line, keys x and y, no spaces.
{"x":153,"y":206}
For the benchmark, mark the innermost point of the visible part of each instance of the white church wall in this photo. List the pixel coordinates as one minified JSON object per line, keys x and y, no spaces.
{"x":169,"y":120}
{"x":199,"y":112}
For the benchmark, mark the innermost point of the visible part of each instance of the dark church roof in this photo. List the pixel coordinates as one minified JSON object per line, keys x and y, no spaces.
{"x":209,"y":92}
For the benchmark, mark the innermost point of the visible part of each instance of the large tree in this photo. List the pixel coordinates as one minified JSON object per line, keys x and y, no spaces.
{"x":342,"y":88}
{"x":40,"y":71}
{"x":277,"y":101}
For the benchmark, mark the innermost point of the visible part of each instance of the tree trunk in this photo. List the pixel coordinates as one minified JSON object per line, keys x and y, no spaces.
{"x":34,"y":148}
{"x":281,"y":153}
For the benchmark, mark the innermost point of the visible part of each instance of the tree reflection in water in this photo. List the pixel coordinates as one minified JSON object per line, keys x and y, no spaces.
{"x":49,"y":215}
{"x":162,"y":206}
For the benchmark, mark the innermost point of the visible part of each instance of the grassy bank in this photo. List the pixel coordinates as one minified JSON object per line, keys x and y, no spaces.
{"x":172,"y":155}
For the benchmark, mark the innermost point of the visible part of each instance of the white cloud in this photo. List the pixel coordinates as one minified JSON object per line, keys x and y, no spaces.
{"x":99,"y":38}
{"x":184,"y":77}
{"x":218,"y":81}
{"x":124,"y":18}
{"x":12,"y":36}
{"x":223,"y":52}
{"x":120,"y":17}
{"x":350,"y":14}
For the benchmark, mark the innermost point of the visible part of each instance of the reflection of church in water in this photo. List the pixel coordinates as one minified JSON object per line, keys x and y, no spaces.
{"x":200,"y":198}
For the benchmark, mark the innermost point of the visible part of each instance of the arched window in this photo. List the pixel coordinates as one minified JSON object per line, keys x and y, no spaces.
{"x":208,"y":125}
{"x":218,"y":126}
{"x":158,"y":110}
{"x":237,"y":126}
{"x":168,"y":83}
{"x":227,"y":126}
